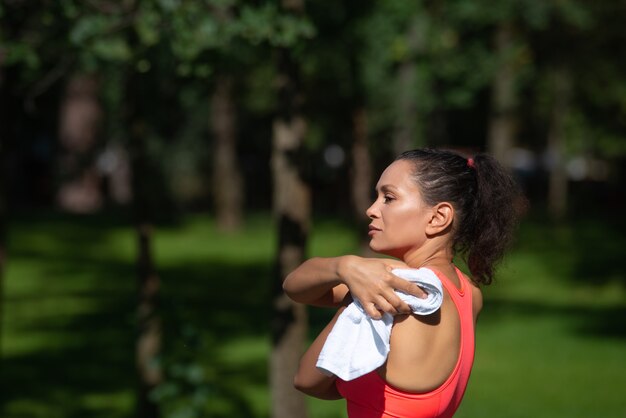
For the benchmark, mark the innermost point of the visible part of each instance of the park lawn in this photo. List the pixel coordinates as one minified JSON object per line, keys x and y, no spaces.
{"x":551,"y":340}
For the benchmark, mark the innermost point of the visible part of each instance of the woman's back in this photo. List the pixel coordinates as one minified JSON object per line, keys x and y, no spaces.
{"x":429,"y":363}
{"x":426,"y":349}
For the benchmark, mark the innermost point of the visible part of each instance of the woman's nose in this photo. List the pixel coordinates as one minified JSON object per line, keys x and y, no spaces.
{"x":371,"y":212}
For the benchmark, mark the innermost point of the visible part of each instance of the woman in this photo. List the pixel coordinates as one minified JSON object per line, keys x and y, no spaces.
{"x":431,"y":205}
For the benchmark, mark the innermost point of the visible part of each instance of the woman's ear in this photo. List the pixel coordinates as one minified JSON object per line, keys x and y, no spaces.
{"x":441,"y":218}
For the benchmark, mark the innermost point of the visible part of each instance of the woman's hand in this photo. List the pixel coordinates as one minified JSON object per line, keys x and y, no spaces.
{"x":327,"y":281}
{"x":371,"y":282}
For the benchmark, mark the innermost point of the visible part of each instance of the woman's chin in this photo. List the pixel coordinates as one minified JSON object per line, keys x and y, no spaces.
{"x":382,"y":250}
{"x":378,"y":248}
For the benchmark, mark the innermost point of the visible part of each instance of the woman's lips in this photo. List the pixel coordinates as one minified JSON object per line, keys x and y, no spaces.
{"x":373,"y":230}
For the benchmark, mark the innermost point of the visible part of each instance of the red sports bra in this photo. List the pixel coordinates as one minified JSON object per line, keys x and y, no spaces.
{"x":369,"y":396}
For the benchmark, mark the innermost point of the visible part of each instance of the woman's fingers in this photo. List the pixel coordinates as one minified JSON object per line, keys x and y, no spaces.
{"x":387,"y":300}
{"x":382,"y":303}
{"x":417,"y":291}
{"x":395,"y":304}
{"x":373,"y":284}
{"x":407,"y":287}
{"x":372,"y":310}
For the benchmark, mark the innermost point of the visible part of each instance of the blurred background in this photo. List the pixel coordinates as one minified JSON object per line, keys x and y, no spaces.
{"x":164,"y":164}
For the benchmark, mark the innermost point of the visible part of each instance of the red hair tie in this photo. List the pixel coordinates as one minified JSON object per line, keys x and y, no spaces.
{"x":470,"y":162}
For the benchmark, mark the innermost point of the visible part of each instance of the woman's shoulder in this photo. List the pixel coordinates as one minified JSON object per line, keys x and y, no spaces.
{"x":477,"y":294}
{"x":424,"y":349}
{"x":477,"y":300}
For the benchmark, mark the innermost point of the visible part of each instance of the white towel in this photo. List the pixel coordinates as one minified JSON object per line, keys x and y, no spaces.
{"x":358,"y":344}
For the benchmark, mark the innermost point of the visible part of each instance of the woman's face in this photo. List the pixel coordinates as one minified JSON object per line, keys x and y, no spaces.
{"x":398,"y":215}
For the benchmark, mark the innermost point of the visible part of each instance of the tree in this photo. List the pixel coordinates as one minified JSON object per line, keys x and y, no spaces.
{"x":206,"y":40}
{"x":408,"y":130}
{"x":338,"y":53}
{"x":110,"y":37}
{"x":291,"y":207}
{"x":80,"y":130}
{"x":555,"y":72}
{"x":558,"y":182}
{"x":227,"y":179}
{"x":149,"y":329}
{"x":422,"y":62}
{"x":504,"y":97}
{"x":23,"y":59}
{"x":4,"y":133}
{"x":361,"y":179}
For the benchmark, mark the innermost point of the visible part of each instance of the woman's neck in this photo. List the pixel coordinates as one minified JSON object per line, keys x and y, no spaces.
{"x":424,"y":256}
{"x":438,"y":259}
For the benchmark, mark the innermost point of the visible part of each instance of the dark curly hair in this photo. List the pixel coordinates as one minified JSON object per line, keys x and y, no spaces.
{"x":485,"y":198}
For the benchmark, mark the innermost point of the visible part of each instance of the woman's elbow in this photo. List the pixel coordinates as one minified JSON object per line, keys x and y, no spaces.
{"x":291,"y":282}
{"x":324,"y":389}
{"x":301,"y":383}
{"x":287,"y":284}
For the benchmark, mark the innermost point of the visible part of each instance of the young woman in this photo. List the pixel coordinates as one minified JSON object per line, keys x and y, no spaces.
{"x":431,"y":205}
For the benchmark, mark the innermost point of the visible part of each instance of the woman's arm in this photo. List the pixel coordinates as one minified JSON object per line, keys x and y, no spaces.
{"x":326,"y":282}
{"x":309,"y":379}
{"x":317,"y":282}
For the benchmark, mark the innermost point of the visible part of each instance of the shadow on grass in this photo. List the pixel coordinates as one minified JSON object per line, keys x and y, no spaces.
{"x":209,"y":308}
{"x":586,"y":251}
{"x":228,"y":299}
{"x":216,"y":315}
{"x":80,"y":362}
{"x":599,"y":252}
{"x":590,"y":322}
{"x":94,"y":353}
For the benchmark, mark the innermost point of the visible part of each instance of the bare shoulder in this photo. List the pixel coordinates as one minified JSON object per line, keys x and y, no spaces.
{"x":424,"y":349}
{"x":477,"y":300}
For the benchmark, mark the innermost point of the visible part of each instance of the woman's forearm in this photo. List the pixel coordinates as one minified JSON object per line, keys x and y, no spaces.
{"x":337,"y":280}
{"x":308,"y":378}
{"x":317,"y":281}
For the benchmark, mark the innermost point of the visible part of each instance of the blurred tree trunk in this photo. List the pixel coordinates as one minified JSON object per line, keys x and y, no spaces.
{"x":292,"y":212}
{"x":502,"y":121}
{"x":227,"y":181}
{"x":5,"y":131}
{"x":361,"y":172}
{"x":292,"y":207}
{"x":80,"y":120}
{"x":408,"y":132}
{"x":558,"y":183}
{"x":149,"y":324}
{"x":143,"y":169}
{"x":3,"y":243}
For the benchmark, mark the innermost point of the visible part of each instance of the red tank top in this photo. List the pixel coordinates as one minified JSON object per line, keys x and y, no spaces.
{"x":369,"y":396}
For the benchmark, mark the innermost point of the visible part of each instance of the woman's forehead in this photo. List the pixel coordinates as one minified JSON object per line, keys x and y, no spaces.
{"x":397,"y":174}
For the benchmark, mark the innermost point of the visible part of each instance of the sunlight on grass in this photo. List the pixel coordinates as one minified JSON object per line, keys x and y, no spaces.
{"x":198,"y":238}
{"x":245,"y":350}
{"x":330,"y":239}
{"x":549,"y":339}
{"x":32,"y":408}
{"x":546,"y":369}
{"x":111,"y":401}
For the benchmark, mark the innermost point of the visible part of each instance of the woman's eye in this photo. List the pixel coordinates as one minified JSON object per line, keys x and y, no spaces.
{"x":387,"y":198}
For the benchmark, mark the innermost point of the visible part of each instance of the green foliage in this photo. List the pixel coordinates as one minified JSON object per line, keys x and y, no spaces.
{"x":450,"y":68}
{"x":114,"y":49}
{"x":267,"y":23}
{"x":357,"y":57}
{"x":90,"y":27}
{"x":147,"y":25}
{"x":21,"y":53}
{"x":189,"y":386}
{"x":108,"y":32}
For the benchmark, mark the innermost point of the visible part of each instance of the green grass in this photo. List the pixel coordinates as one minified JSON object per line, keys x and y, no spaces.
{"x":551,"y":340}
